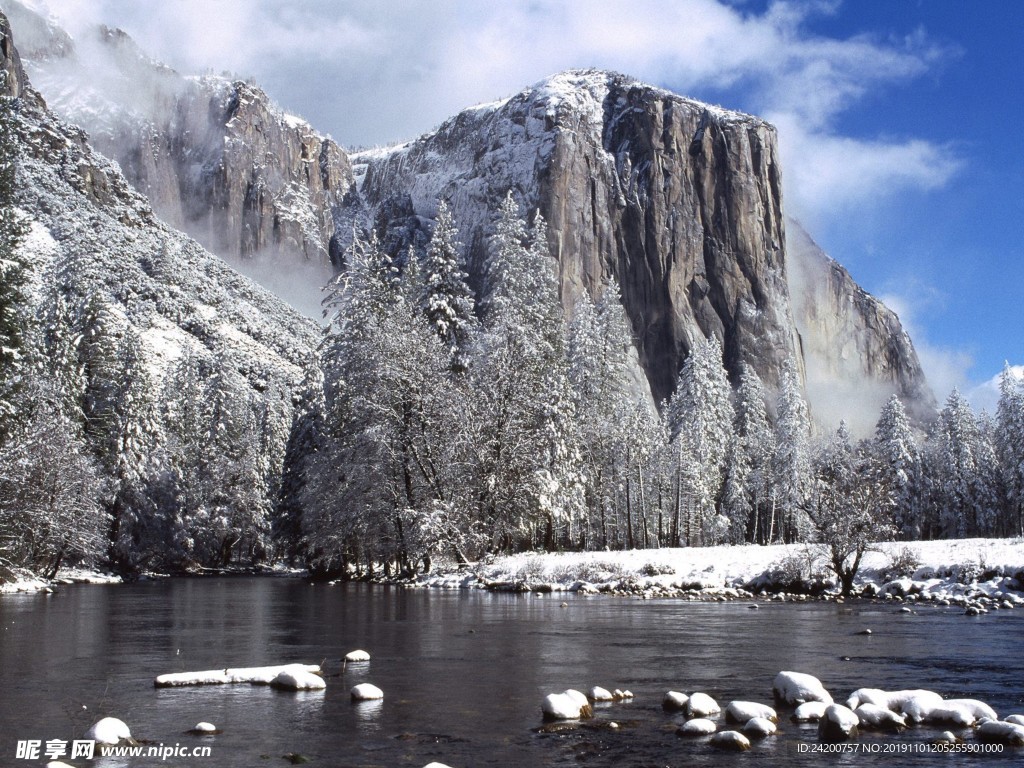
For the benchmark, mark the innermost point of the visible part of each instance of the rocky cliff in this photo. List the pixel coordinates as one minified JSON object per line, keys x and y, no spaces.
{"x":693,"y":231}
{"x":215,"y":156}
{"x":92,"y":237}
{"x":854,"y":347}
{"x":696,"y":241}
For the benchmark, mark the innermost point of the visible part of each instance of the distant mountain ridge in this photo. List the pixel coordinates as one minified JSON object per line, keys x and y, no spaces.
{"x":699,"y":243}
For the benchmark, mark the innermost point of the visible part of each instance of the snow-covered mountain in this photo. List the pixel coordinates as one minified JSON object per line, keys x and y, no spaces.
{"x":131,"y":313}
{"x":698,"y":242}
{"x":214,"y":156}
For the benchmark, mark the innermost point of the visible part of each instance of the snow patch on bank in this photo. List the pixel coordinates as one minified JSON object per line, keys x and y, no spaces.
{"x":955,"y":569}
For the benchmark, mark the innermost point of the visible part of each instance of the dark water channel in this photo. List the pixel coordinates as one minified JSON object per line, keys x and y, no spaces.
{"x":464,"y":672}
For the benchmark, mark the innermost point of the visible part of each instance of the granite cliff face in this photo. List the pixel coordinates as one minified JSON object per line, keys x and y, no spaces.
{"x":215,"y":157}
{"x":854,"y":346}
{"x":695,"y":241}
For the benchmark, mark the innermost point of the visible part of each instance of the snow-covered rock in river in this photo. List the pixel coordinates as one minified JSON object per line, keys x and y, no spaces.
{"x":674,"y":701}
{"x":298,"y":680}
{"x":894,"y":700}
{"x":204,"y":727}
{"x":699,"y":726}
{"x":702,"y":705}
{"x":254,"y":675}
{"x":760,"y":727}
{"x":996,"y":732}
{"x":597,"y":693}
{"x":109,"y":730}
{"x":1015,"y":719}
{"x":568,"y":705}
{"x":366,"y":692}
{"x":838,"y":723}
{"x":356,"y":656}
{"x":876,"y":717}
{"x":809,"y":712}
{"x":797,"y":687}
{"x":742,"y":711}
{"x":730,"y":741}
{"x":959,"y":712}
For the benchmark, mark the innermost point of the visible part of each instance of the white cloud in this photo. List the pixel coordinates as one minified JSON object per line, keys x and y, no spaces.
{"x":985,"y":396}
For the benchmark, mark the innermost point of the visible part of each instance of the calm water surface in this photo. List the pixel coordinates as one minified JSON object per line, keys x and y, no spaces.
{"x":464,"y":672}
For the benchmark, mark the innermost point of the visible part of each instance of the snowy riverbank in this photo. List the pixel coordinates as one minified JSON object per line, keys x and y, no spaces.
{"x":963,"y":571}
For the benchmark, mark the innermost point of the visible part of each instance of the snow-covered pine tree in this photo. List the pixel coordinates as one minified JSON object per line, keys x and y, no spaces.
{"x":958,"y":442}
{"x":1009,"y":446}
{"x":700,"y":416}
{"x":15,"y":310}
{"x":528,"y":466}
{"x":899,"y":463}
{"x":610,"y":422}
{"x":746,"y":497}
{"x":791,"y":463}
{"x":447,"y":301}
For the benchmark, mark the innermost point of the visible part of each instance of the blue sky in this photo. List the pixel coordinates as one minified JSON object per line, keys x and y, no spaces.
{"x":899,"y":120}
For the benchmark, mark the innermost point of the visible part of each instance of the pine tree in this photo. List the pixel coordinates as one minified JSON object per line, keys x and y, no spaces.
{"x":899,"y":466}
{"x":700,"y":417}
{"x":447,"y":300}
{"x":15,"y":311}
{"x":748,"y":481}
{"x":791,"y":464}
{"x":1009,"y":447}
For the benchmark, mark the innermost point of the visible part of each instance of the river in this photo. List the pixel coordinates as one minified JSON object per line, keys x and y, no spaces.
{"x":464,"y":673}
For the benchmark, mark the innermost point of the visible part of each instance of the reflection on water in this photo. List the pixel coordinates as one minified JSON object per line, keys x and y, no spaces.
{"x":463,"y":673}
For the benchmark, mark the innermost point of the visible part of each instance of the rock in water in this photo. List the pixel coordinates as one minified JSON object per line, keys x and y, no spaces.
{"x":797,"y":687}
{"x":759,"y":727}
{"x":366,"y":692}
{"x":109,"y":730}
{"x":730,"y":741}
{"x":702,"y":705}
{"x":699,"y":726}
{"x":742,"y":711}
{"x":354,"y":656}
{"x":838,"y":723}
{"x":674,"y":701}
{"x":298,"y":680}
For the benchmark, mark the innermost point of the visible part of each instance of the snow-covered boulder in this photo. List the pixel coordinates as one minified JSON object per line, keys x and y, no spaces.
{"x":1015,"y":719}
{"x":205,"y":729}
{"x":838,"y":723}
{"x":809,"y":712}
{"x":254,"y":675}
{"x":759,"y":727}
{"x":109,"y":730}
{"x":567,"y":705}
{"x":877,"y":717}
{"x":298,"y":680}
{"x":742,"y":711}
{"x":699,"y":726}
{"x":674,"y":701}
{"x":702,"y":705}
{"x":597,"y":693}
{"x":996,"y":732}
{"x":959,"y":712}
{"x":352,"y":656}
{"x":730,"y":741}
{"x":366,"y":692}
{"x":894,"y":700}
{"x":796,"y":688}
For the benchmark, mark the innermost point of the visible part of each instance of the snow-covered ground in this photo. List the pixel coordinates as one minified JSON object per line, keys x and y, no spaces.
{"x":961,"y":571}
